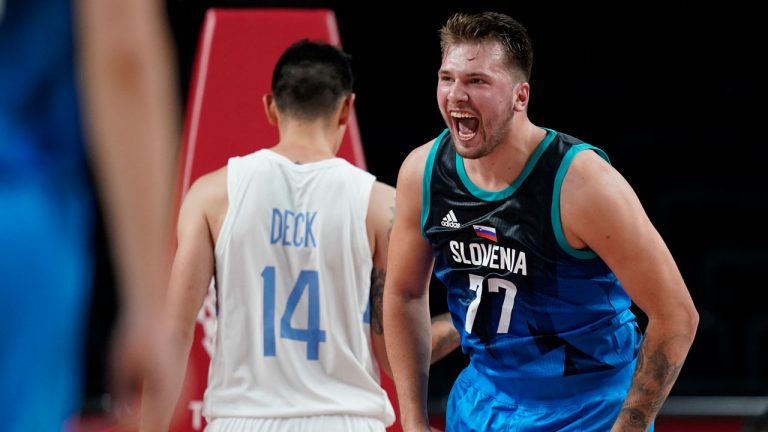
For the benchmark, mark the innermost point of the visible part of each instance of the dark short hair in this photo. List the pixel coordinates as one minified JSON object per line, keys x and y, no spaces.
{"x":491,"y":26}
{"x":310,"y":78}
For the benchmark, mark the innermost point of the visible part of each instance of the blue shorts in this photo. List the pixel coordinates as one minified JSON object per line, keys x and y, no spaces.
{"x":45,"y":268}
{"x":478,"y":404}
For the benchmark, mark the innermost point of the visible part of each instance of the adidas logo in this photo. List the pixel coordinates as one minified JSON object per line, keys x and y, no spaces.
{"x":450,"y":221}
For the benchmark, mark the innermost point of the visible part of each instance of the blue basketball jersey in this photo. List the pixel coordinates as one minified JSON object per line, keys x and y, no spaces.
{"x":47,"y":212}
{"x":527,"y":305}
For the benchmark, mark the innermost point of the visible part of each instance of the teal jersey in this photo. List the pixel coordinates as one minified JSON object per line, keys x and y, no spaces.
{"x":527,"y":305}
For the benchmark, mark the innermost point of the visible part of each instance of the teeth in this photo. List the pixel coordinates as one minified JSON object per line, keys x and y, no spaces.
{"x":455,"y":114}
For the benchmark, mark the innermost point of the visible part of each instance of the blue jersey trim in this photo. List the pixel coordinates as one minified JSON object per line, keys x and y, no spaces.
{"x":557,"y":224}
{"x":427,"y":181}
{"x":509,"y":190}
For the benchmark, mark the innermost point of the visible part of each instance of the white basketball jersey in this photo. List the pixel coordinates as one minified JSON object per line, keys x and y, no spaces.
{"x":293,"y":275}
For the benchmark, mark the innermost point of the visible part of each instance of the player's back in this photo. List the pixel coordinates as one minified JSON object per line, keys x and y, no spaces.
{"x":293,"y":266}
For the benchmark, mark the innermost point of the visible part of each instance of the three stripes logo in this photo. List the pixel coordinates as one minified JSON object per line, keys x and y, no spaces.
{"x":449,"y":220}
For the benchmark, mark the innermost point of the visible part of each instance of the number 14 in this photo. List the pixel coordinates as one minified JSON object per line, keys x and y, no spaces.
{"x":308,"y":280}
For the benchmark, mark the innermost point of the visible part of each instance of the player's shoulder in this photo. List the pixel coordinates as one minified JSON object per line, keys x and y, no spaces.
{"x":591,"y":169}
{"x":412,"y":168}
{"x":210,"y":181}
{"x":381,"y":205}
{"x":208,"y":187}
{"x":593,"y":186}
{"x":382,"y":193}
{"x":344,"y":167}
{"x":420,"y":153}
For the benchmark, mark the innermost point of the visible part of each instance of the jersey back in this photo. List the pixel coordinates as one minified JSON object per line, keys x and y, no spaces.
{"x":527,"y":304}
{"x":293,"y":269}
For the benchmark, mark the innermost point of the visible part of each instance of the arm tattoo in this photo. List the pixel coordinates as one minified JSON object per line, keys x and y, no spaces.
{"x":444,"y":341}
{"x":377,"y":286}
{"x":654,"y":376}
{"x":635,"y":418}
{"x":377,"y":300}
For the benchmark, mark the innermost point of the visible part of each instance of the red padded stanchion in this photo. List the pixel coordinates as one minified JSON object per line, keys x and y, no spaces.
{"x":236,"y":53}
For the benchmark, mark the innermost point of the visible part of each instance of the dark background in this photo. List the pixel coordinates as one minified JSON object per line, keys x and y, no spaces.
{"x":674,"y":94}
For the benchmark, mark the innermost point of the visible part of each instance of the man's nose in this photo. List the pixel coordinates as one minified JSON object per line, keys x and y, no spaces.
{"x":457,"y":93}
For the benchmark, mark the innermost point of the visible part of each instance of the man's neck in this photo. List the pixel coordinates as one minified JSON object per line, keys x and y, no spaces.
{"x":307,"y":142}
{"x":504,"y":164}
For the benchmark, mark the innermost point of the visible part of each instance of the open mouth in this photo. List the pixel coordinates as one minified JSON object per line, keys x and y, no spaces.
{"x":465,"y":124}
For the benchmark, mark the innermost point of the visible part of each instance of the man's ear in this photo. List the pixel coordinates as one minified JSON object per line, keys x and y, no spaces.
{"x":270,"y":109}
{"x":523,"y":96}
{"x":346,"y":109}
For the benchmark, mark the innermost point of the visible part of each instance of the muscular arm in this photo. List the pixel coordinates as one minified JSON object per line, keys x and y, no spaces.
{"x":191,"y":275}
{"x":406,"y":297}
{"x":128,"y":83}
{"x":381,"y":216}
{"x":600,"y":210}
{"x":130,"y":104}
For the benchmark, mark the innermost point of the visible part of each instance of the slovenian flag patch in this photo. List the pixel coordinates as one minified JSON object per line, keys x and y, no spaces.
{"x":485,"y":232}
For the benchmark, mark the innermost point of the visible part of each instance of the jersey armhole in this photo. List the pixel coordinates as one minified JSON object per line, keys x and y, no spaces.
{"x":367,"y":183}
{"x":427,"y":181}
{"x":226,"y":225}
{"x":557,"y":225}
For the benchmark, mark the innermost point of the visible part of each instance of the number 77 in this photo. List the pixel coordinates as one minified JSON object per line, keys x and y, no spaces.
{"x":510,"y":291}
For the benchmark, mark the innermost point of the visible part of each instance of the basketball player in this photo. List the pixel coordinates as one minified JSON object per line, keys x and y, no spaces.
{"x":54,"y":128}
{"x":531,"y":231}
{"x":297,"y":240}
